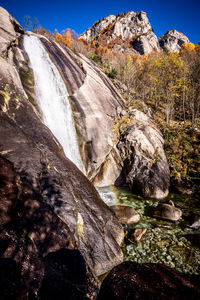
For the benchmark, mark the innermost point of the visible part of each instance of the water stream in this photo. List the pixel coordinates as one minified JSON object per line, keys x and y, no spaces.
{"x":171,"y":243}
{"x":52,"y":99}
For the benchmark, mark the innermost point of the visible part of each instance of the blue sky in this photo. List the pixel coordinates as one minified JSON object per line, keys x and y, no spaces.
{"x":79,"y":15}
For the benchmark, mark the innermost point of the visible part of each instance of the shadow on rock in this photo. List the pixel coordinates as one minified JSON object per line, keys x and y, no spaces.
{"x":11,"y":283}
{"x":65,"y":276}
{"x":131,"y":280}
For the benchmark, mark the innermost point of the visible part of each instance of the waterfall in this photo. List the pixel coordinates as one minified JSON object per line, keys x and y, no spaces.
{"x":53,"y":100}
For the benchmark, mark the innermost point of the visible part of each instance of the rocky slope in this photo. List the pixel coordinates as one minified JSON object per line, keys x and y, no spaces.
{"x":46,"y":203}
{"x":172,"y":40}
{"x":132,"y":27}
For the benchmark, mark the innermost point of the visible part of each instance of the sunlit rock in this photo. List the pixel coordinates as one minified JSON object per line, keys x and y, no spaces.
{"x":172,"y":40}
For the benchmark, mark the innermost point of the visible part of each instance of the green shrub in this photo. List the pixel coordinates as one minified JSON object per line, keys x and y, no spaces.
{"x":95,"y":58}
{"x":112,"y":73}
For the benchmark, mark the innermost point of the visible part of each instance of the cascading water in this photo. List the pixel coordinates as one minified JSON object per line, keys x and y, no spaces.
{"x":53,"y":100}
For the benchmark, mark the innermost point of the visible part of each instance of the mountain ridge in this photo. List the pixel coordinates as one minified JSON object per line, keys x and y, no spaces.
{"x":135,"y":28}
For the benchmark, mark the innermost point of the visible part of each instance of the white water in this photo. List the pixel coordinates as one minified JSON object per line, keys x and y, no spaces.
{"x":107,"y":195}
{"x":53,"y":100}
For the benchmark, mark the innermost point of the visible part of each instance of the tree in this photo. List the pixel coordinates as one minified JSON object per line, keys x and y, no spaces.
{"x":167,"y":76}
{"x":64,"y":38}
{"x":36,"y":25}
{"x":27,"y":23}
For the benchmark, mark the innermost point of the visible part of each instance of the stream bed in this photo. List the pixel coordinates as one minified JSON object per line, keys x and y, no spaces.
{"x":171,"y":243}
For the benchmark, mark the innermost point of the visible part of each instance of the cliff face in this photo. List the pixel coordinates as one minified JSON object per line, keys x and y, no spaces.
{"x":172,"y":40}
{"x":132,"y":27}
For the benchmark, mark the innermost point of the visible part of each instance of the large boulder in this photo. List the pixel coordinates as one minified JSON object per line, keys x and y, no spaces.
{"x":47,"y":204}
{"x":145,"y":168}
{"x":138,"y":159}
{"x":167,"y":211}
{"x":148,"y":281}
{"x":172,"y":40}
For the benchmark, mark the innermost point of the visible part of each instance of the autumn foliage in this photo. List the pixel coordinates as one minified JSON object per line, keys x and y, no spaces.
{"x":168,"y":82}
{"x":64,"y":38}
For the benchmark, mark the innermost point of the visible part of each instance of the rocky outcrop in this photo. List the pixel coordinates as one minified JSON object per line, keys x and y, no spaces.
{"x":136,"y":30}
{"x":46,"y":203}
{"x":97,"y":28}
{"x":172,"y":40}
{"x":145,"y":43}
{"x":148,"y":281}
{"x":132,"y":27}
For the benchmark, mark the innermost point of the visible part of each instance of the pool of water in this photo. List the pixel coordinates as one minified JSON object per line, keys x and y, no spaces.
{"x":171,"y":243}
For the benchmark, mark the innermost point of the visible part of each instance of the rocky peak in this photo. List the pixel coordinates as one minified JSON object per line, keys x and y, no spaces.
{"x":131,"y":26}
{"x":172,"y":40}
{"x":97,"y":28}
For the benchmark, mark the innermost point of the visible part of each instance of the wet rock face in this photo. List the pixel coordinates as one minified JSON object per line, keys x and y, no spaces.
{"x":172,"y":40}
{"x":94,"y":101}
{"x":130,"y":26}
{"x":131,"y":280}
{"x":31,"y":148}
{"x":145,"y":168}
